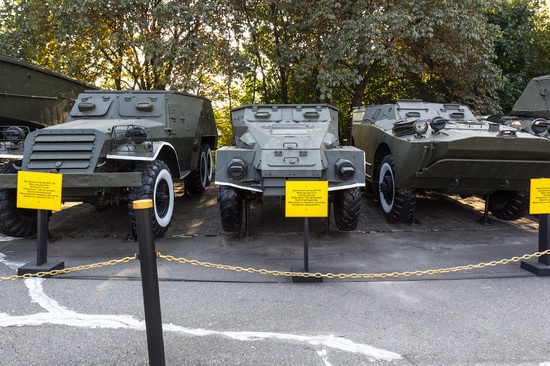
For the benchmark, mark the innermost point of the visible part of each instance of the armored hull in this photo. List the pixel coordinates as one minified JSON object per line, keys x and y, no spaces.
{"x":33,"y":96}
{"x":413,"y":145}
{"x":116,"y":147}
{"x":277,"y":143}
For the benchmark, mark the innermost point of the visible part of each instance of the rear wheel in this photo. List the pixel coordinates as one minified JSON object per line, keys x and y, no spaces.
{"x":231,"y":208}
{"x":157,"y":185}
{"x":200,"y":178}
{"x":509,"y":205}
{"x":397,"y":202}
{"x":16,"y":222}
{"x":347,"y":208}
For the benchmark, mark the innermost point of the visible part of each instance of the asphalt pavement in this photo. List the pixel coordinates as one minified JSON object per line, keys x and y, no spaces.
{"x":489,"y":316}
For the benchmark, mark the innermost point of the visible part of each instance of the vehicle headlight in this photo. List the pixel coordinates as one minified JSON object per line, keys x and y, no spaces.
{"x":14,"y":134}
{"x":438,"y":123}
{"x":344,"y":169}
{"x":137,"y":134}
{"x":420,"y":126}
{"x":539,"y":126}
{"x":236,"y":169}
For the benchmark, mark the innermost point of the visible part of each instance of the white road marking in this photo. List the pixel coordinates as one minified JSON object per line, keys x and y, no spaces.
{"x":57,"y":314}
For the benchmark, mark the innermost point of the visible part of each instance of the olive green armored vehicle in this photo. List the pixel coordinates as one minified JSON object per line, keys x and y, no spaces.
{"x":413,"y":146}
{"x":114,"y":148}
{"x":531,"y":112}
{"x":277,"y":143}
{"x":33,"y":97}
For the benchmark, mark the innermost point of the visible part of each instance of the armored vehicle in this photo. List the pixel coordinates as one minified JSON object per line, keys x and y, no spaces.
{"x":115,"y":147}
{"x":277,"y":143}
{"x":531,"y":113}
{"x":34,"y":97}
{"x":413,"y":146}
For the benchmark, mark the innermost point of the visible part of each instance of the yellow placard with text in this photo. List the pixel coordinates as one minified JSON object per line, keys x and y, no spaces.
{"x":306,"y":199}
{"x":40,"y":191}
{"x":539,"y":199}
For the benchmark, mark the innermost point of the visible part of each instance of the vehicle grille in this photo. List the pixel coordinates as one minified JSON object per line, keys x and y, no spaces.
{"x":64,"y":151}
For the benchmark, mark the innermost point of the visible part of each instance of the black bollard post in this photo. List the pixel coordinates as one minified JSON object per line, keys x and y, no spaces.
{"x":149,"y":281}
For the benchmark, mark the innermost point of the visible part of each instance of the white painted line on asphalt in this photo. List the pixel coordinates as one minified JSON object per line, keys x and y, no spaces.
{"x":57,"y":314}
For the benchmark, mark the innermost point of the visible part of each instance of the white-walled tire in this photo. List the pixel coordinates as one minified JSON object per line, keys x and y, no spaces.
{"x":397,"y":202}
{"x":157,"y":185}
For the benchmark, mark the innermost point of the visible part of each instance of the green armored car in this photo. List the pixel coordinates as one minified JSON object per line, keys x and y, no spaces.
{"x":277,"y":143}
{"x":114,"y":148}
{"x":413,"y":146}
{"x":531,"y":112}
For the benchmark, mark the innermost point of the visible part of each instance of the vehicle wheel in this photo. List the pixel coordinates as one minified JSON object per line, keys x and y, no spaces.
{"x":397,"y":203}
{"x":156,"y":184}
{"x":509,"y":205}
{"x":201,"y":177}
{"x":347,"y":208}
{"x":16,"y":222}
{"x":231,"y":208}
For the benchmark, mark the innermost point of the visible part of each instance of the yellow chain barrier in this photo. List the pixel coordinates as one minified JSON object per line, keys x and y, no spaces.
{"x":352,"y":275}
{"x":56,"y":272}
{"x":281,"y":273}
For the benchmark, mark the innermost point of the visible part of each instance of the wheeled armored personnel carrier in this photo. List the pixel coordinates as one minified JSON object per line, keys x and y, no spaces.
{"x":277,"y":143}
{"x":115,"y":147}
{"x":413,"y":146}
{"x":531,"y":112}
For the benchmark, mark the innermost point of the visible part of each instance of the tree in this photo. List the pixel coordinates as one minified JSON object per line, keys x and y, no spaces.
{"x":522,"y":46}
{"x":127,"y":44}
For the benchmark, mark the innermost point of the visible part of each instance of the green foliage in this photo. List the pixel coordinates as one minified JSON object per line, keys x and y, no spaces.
{"x":523,"y":44}
{"x":347,"y":53}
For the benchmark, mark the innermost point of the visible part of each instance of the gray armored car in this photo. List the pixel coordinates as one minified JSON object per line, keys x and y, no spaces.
{"x":413,"y":146}
{"x":115,"y":147}
{"x":276,"y":143}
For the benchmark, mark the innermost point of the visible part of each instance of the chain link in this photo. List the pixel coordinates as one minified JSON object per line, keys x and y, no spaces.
{"x":195,"y":262}
{"x":56,"y":272}
{"x":352,"y":275}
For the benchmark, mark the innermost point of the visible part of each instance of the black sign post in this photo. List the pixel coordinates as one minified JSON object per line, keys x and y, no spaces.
{"x":42,"y":264}
{"x":542,"y":266}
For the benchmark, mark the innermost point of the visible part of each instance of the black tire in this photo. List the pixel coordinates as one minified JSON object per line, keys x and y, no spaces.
{"x":16,"y":222}
{"x":509,"y":205}
{"x":156,"y":184}
{"x":200,"y":178}
{"x":397,"y":202}
{"x":231,"y":208}
{"x":347,"y":208}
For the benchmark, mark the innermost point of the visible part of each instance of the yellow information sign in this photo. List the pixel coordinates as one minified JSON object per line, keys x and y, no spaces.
{"x":540,"y":196}
{"x":41,"y":191}
{"x":306,"y":199}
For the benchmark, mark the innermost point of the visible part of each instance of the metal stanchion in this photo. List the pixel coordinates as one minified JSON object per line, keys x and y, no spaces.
{"x":298,"y":279}
{"x":149,"y":281}
{"x":42,"y":264}
{"x":542,"y":266}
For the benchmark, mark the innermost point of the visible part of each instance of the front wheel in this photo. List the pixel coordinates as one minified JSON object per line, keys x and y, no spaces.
{"x":509,"y":205}
{"x":347,"y":208}
{"x":231,"y":208}
{"x":200,"y":178}
{"x":16,"y":222}
{"x":157,"y":185}
{"x":397,"y":202}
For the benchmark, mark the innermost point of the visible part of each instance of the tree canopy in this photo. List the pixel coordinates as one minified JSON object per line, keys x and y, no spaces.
{"x":347,"y":53}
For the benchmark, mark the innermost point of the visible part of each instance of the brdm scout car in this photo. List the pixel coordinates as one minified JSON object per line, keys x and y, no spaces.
{"x":277,"y":143}
{"x":413,"y":146}
{"x":115,"y":147}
